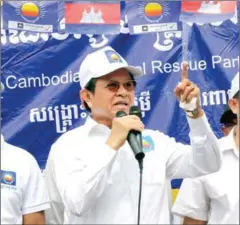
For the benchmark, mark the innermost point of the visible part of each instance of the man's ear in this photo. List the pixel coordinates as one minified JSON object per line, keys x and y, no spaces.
{"x":86,"y":96}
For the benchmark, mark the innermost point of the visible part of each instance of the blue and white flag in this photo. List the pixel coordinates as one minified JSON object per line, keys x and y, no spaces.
{"x":153,"y":16}
{"x":36,"y":16}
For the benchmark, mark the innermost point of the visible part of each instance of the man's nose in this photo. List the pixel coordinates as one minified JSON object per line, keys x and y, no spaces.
{"x":122,"y":91}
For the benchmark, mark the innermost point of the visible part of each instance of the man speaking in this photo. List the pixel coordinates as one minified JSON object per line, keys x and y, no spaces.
{"x":92,"y":174}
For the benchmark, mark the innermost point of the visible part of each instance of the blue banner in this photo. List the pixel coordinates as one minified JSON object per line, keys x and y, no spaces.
{"x":40,"y":74}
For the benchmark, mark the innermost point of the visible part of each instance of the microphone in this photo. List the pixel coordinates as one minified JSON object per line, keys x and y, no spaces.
{"x":121,"y":114}
{"x":134,"y":137}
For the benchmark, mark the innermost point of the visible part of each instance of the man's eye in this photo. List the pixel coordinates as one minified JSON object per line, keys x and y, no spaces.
{"x":129,"y":84}
{"x":112,"y":85}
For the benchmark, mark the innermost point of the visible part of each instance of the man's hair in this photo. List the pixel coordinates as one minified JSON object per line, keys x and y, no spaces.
{"x":91,"y":87}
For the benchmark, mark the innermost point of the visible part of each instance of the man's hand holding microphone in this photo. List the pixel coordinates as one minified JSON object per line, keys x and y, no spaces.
{"x":121,"y":126}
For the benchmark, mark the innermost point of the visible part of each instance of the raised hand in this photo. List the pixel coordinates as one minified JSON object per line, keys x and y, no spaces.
{"x":188,"y":93}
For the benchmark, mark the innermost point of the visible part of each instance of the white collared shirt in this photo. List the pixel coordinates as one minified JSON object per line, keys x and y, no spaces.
{"x":90,"y":183}
{"x":23,"y":190}
{"x":214,"y":197}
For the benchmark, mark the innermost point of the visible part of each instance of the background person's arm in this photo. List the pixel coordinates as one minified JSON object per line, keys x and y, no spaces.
{"x":192,"y":202}
{"x":191,"y":221}
{"x":34,"y":218}
{"x":35,"y":197}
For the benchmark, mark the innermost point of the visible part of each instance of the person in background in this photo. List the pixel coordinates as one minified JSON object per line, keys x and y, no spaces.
{"x":228,"y":120}
{"x":23,"y":192}
{"x":91,"y":172}
{"x":214,"y":198}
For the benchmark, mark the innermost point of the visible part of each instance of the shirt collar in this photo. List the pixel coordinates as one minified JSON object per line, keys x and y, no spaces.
{"x":229,"y":144}
{"x":91,"y":126}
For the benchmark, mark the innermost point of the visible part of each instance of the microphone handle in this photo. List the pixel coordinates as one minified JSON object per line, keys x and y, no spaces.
{"x":135,"y":142}
{"x":134,"y":139}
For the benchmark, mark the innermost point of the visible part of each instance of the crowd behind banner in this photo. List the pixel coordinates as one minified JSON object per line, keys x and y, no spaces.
{"x":40,"y":74}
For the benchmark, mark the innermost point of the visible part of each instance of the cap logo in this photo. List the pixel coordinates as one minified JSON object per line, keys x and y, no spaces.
{"x":113,"y":57}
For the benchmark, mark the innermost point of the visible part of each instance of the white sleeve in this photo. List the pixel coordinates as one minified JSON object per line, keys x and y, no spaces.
{"x":80,"y":181}
{"x":232,"y":217}
{"x":35,"y":197}
{"x":201,"y":158}
{"x":192,"y":200}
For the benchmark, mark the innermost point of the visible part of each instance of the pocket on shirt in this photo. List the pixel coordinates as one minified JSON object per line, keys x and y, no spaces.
{"x":153,"y":169}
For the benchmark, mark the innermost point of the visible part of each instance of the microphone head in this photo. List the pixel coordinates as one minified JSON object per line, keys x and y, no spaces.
{"x":135,"y":110}
{"x":121,"y":114}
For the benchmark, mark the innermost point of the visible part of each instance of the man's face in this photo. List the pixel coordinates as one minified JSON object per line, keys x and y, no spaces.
{"x":113,"y":92}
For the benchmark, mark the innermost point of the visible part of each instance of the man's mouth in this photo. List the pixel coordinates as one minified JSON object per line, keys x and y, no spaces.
{"x":121,"y":103}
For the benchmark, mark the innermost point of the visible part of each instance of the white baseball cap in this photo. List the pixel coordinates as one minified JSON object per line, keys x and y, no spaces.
{"x":234,"y":85}
{"x":103,"y":62}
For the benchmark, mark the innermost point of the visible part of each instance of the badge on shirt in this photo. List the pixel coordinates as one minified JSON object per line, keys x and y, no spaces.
{"x":147,"y":143}
{"x":8,"y":178}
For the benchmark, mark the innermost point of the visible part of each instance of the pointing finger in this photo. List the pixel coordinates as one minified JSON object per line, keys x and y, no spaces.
{"x":184,"y":71}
